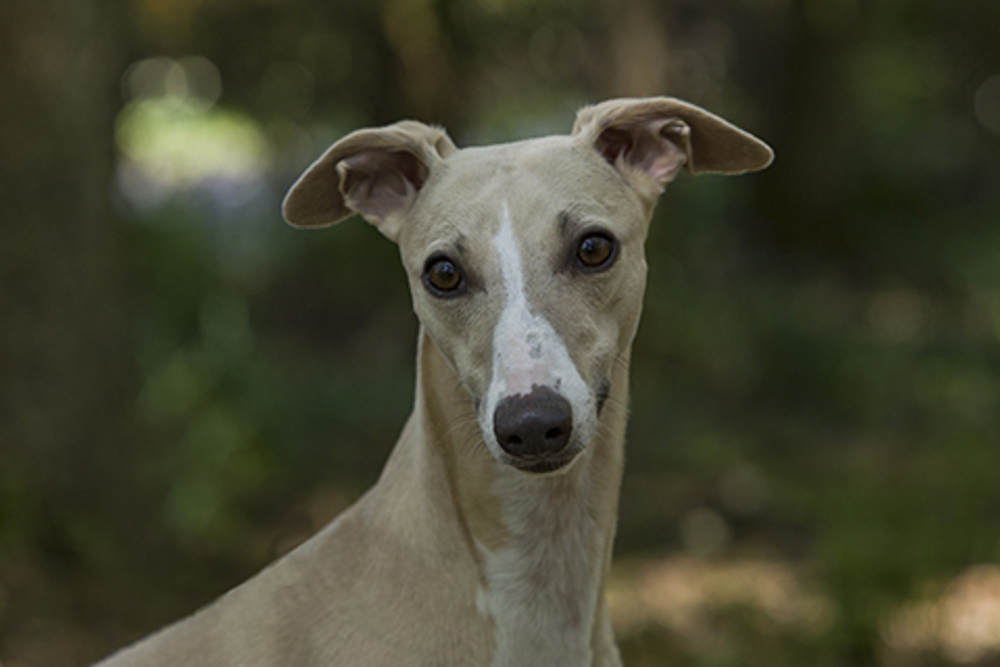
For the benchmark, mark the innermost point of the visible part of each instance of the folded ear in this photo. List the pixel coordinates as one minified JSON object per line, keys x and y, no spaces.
{"x":648,"y":140}
{"x":374,"y":172}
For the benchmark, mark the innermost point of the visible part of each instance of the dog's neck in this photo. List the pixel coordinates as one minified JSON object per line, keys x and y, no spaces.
{"x":541,"y":544}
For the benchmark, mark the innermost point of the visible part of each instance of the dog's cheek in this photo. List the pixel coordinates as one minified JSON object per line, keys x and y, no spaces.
{"x":474,"y":372}
{"x":467,"y":356}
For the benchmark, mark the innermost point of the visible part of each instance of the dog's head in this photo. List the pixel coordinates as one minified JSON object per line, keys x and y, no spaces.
{"x":526,"y":260}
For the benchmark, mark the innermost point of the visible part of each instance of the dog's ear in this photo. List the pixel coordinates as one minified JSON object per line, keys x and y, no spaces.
{"x":374,"y":172}
{"x":648,"y":140}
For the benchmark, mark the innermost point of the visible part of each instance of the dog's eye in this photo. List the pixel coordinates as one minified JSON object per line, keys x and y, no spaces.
{"x":596,"y":251}
{"x":443,"y":277}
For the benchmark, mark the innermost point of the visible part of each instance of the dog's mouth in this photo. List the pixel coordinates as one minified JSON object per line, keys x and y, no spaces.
{"x":542,"y":466}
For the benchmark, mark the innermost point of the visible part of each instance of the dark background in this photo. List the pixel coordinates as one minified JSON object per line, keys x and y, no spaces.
{"x":190,"y":387}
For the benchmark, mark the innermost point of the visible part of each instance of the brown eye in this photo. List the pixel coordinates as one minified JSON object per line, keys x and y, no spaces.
{"x":443,"y":277}
{"x":596,"y":251}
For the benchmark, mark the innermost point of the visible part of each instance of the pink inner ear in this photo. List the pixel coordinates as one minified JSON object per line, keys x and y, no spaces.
{"x":378,"y":183}
{"x":647,"y":148}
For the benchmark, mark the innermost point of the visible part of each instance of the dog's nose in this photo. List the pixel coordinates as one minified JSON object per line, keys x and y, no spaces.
{"x":533,"y":425}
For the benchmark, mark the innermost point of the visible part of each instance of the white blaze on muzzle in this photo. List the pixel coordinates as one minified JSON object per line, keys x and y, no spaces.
{"x":528,"y":353}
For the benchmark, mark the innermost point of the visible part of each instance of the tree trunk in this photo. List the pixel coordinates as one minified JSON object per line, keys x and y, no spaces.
{"x":65,"y":366}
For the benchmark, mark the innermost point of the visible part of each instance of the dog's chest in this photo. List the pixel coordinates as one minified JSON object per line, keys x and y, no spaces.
{"x":541,"y":587}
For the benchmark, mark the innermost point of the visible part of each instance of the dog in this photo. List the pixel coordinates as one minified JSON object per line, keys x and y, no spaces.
{"x":487,"y":539}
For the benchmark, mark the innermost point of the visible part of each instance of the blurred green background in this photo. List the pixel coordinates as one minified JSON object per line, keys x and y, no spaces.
{"x":190,"y":387}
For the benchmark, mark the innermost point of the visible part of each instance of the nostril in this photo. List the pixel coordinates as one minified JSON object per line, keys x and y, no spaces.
{"x":537,"y":424}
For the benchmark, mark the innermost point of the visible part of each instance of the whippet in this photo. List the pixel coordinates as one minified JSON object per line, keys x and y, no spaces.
{"x":487,"y":539}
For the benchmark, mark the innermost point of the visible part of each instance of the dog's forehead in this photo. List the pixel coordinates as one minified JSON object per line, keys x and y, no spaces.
{"x":536,"y":182}
{"x":524,"y":167}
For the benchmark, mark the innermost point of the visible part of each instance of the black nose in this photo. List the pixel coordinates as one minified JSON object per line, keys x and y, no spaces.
{"x":533,"y":425}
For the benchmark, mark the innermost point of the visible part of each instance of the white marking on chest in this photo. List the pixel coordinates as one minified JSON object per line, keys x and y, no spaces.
{"x":543,"y":586}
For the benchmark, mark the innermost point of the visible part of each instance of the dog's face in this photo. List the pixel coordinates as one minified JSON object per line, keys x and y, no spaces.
{"x":527,"y":272}
{"x":526,"y":260}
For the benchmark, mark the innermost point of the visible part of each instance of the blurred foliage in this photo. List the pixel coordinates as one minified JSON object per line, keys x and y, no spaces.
{"x":815,"y":379}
